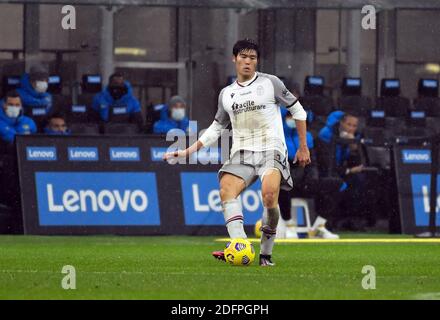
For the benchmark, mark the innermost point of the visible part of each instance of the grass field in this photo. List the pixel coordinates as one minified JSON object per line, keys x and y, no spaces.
{"x":110,"y":267}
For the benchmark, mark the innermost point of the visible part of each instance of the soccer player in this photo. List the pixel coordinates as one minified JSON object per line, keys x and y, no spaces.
{"x":251,"y":106}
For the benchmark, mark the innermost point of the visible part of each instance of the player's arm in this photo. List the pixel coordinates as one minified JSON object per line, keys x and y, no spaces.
{"x":221,"y":121}
{"x":286,"y":98}
{"x":303,"y":153}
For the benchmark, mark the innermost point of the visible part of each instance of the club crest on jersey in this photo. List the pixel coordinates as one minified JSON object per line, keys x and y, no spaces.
{"x":232,"y":95}
{"x":260,"y":90}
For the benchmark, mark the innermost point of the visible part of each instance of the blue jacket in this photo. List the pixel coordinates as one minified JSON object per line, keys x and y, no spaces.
{"x":166,"y":123}
{"x":327,"y":133}
{"x":30,"y":97}
{"x":51,"y":132}
{"x":127,"y":104}
{"x":9,"y":127}
{"x":292,"y":138}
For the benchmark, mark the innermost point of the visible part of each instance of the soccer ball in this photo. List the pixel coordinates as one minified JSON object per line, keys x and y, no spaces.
{"x":239,"y":252}
{"x":257,"y":230}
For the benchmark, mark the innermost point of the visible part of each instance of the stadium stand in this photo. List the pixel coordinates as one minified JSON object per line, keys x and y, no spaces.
{"x":380,"y":124}
{"x":116,"y":103}
{"x":377,"y":140}
{"x":9,"y":83}
{"x":60,"y":101}
{"x":121,"y":128}
{"x":351,"y":97}
{"x":415,"y":125}
{"x":428,"y":99}
{"x":390,"y":99}
{"x":78,"y":128}
{"x":37,"y":101}
{"x":315,"y":100}
{"x":81,"y":112}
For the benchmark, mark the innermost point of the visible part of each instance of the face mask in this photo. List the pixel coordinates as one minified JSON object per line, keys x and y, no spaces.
{"x":291,"y":123}
{"x":13,"y":111}
{"x":41,"y":86}
{"x":117,"y":92}
{"x":178,"y":114}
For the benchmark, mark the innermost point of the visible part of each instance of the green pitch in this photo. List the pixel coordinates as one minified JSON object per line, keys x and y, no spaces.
{"x":111,"y":267}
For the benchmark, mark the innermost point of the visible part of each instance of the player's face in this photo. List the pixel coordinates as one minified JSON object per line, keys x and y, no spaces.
{"x":246,"y":63}
{"x":350,"y":124}
{"x":16,"y":102}
{"x":57,"y":124}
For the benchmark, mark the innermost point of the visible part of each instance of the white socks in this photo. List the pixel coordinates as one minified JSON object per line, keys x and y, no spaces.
{"x":269,"y":229}
{"x":233,"y":215}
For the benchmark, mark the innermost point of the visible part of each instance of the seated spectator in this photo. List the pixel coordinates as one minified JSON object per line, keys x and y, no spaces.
{"x":306,"y":182}
{"x":172,"y":116}
{"x":12,"y":120}
{"x":56,"y":125}
{"x":344,"y":160}
{"x":33,"y":91}
{"x":116,"y":103}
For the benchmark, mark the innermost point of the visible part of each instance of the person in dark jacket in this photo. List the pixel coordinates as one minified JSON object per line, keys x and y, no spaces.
{"x":116,"y":103}
{"x":345,"y":158}
{"x":12,"y":123}
{"x":172,"y":116}
{"x":36,"y":101}
{"x":306,"y":183}
{"x":340,"y":155}
{"x":56,"y":125}
{"x":12,"y":120}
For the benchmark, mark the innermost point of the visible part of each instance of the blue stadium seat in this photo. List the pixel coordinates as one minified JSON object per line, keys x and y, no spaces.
{"x":121,"y":128}
{"x":390,"y":99}
{"x":10,"y":82}
{"x":351,"y":97}
{"x":84,"y":128}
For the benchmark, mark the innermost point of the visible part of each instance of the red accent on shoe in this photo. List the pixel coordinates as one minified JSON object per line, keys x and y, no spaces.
{"x":220,"y":255}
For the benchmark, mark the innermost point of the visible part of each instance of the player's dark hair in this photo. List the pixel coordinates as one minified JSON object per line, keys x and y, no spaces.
{"x":115,"y":75}
{"x":351,"y":113}
{"x":55,"y":115}
{"x":245,"y":45}
{"x":12,"y":94}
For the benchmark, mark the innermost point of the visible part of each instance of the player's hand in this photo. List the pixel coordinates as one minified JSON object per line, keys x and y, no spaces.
{"x":353,"y":146}
{"x":302,"y":157}
{"x":174,"y":155}
{"x":357,"y":169}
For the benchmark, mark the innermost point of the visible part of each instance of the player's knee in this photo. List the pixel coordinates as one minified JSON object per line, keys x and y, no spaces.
{"x":269,"y":199}
{"x":226,"y":193}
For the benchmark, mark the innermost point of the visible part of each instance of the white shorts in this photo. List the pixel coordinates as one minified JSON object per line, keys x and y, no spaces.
{"x":249,"y":165}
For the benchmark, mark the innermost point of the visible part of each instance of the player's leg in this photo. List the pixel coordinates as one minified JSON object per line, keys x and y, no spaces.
{"x":230,"y":188}
{"x":270,"y":189}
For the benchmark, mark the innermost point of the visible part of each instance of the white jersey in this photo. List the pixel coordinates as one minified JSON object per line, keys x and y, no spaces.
{"x":253,"y":109}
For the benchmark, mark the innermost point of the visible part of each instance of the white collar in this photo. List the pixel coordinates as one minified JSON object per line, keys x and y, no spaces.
{"x":246,"y":83}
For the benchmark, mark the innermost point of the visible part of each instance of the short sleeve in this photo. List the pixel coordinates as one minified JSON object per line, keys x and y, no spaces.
{"x":282,"y":95}
{"x":221,"y":116}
